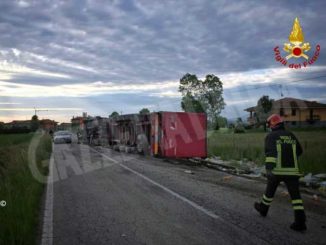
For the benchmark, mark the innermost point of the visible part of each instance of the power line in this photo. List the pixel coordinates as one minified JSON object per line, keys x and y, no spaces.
{"x":307,"y":79}
{"x":260,"y":86}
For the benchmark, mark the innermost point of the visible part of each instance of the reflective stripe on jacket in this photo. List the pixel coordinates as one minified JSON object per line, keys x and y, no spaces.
{"x":282,"y":149}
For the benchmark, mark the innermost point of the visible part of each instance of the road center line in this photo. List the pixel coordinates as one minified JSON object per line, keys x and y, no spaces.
{"x":173,"y":193}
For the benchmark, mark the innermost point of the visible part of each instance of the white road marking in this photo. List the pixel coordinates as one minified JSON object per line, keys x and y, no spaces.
{"x":173,"y":193}
{"x":103,"y":155}
{"x":47,"y":231}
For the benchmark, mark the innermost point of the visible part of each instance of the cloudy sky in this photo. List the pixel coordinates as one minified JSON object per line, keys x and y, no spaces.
{"x":99,"y":56}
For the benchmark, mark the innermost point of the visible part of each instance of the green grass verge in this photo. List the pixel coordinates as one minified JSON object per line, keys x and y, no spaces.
{"x":14,"y":139}
{"x":250,"y":145}
{"x":19,"y":219}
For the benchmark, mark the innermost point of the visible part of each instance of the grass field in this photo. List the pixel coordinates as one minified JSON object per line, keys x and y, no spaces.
{"x":250,"y":145}
{"x":14,"y":139}
{"x":19,"y":219}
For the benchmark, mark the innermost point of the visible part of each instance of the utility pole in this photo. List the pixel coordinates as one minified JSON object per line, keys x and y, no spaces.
{"x":37,"y":110}
{"x":281,"y":90}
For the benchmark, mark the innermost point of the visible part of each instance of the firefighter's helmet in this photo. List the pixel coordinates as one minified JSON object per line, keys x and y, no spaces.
{"x":273,"y":120}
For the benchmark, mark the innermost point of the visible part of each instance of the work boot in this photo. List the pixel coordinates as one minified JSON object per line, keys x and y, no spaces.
{"x":300,"y":221}
{"x":298,"y":227}
{"x":261,"y":208}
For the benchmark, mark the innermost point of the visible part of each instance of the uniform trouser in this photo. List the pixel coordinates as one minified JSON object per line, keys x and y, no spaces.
{"x":292,"y":184}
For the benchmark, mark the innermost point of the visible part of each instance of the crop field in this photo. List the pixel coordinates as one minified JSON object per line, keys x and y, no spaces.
{"x":19,"y":219}
{"x":250,"y":145}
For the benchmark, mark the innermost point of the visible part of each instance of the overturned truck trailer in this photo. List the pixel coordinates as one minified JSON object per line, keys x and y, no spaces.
{"x":95,"y":131}
{"x":164,"y":134}
{"x":129,"y":132}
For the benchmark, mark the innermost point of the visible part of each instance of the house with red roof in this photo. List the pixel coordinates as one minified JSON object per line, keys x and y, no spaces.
{"x":295,"y":112}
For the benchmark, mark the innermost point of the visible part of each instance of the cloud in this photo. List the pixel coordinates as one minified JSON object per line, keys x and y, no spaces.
{"x":116,"y":41}
{"x":142,"y":47}
{"x":168,"y":93}
{"x":41,"y":109}
{"x":9,"y":70}
{"x":80,"y":90}
{"x":273,"y":78}
{"x":9,"y":103}
{"x":23,"y":4}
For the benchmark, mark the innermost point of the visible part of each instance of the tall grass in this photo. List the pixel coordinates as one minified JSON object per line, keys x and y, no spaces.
{"x":250,"y":145}
{"x":237,"y":146}
{"x":20,"y":217}
{"x":14,"y":139}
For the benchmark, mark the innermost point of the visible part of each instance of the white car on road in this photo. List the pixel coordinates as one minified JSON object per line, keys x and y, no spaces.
{"x":62,"y":137}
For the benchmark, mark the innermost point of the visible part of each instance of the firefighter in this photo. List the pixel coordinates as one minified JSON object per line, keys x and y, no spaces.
{"x":79,"y":137}
{"x":282,"y":150}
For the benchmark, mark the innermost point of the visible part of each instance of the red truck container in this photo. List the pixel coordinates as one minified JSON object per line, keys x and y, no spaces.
{"x":178,"y":134}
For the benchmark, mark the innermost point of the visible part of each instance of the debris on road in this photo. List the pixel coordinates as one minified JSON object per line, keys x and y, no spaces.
{"x":218,"y":164}
{"x":309,"y":180}
{"x":122,"y":148}
{"x":284,"y":193}
{"x":244,"y":167}
{"x":189,"y":172}
{"x":315,"y":197}
{"x":130,"y":149}
{"x":227,"y":178}
{"x":322,"y":190}
{"x":314,"y":181}
{"x":320,"y":176}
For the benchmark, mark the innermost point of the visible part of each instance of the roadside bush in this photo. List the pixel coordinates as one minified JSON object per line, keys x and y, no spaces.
{"x":248,"y":127}
{"x":15,"y":130}
{"x":19,"y":219}
{"x":217,"y":126}
{"x":238,"y":129}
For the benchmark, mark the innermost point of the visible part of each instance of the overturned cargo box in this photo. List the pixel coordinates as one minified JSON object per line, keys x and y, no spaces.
{"x":178,"y":134}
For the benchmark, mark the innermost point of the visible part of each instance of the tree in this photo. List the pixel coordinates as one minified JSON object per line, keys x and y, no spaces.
{"x":35,"y":123}
{"x":144,"y":111}
{"x":218,"y":122}
{"x":202,"y":96}
{"x":114,"y":114}
{"x":190,"y":104}
{"x":222,"y":121}
{"x":263,"y":109}
{"x":239,"y":127}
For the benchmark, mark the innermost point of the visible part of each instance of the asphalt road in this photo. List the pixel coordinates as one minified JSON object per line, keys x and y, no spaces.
{"x":100,"y":196}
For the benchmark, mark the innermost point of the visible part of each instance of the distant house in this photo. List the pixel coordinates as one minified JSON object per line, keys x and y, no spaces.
{"x":295,"y":112}
{"x":77,"y":123}
{"x":64,"y":126}
{"x":47,"y":124}
{"x":18,"y":124}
